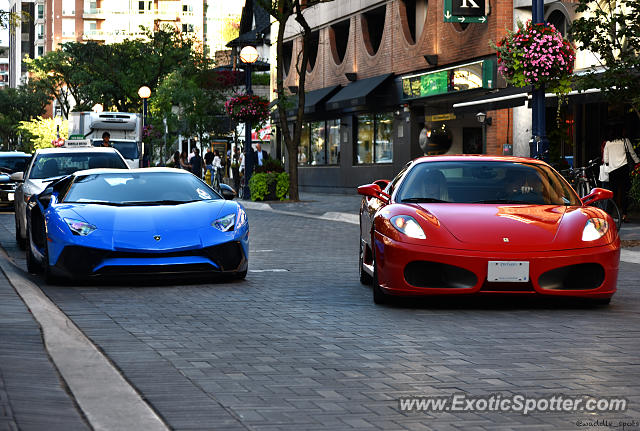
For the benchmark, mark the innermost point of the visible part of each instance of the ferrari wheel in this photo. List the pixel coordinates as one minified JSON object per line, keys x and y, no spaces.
{"x":379,"y":297}
{"x":364,"y":277}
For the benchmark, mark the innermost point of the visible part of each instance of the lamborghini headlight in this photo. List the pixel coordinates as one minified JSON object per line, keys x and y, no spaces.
{"x":408,"y":226}
{"x":242,"y":218}
{"x":594,"y":229}
{"x":79,"y":227}
{"x":225,"y":223}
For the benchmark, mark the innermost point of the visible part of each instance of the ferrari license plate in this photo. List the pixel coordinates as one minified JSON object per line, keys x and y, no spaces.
{"x":508,"y":271}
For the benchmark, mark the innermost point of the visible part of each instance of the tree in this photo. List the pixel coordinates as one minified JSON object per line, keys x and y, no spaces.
{"x":90,"y":73}
{"x":18,"y":104}
{"x":282,"y":11}
{"x":40,"y":133}
{"x":611,"y":30}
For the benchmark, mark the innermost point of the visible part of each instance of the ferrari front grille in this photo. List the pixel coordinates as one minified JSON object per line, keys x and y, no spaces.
{"x":583,"y":276}
{"x":436,"y":275}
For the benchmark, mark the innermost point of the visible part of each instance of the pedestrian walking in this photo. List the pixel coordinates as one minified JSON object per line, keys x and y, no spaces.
{"x":235,"y":169}
{"x":208,"y":162}
{"x":619,"y":158}
{"x":217,"y":167}
{"x":197,"y":163}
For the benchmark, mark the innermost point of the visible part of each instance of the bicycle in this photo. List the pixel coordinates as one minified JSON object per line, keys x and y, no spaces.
{"x":583,"y":180}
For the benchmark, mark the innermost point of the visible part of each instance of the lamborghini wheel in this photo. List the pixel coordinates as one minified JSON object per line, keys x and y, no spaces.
{"x":32,"y":265}
{"x":241,"y":275}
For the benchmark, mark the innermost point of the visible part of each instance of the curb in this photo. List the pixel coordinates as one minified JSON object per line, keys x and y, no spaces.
{"x":107,"y":400}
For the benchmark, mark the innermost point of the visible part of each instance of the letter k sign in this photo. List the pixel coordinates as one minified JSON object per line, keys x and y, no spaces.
{"x":471,"y":2}
{"x":468,"y":7}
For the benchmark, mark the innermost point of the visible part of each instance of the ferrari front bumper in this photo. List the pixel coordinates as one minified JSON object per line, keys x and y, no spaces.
{"x":409,"y":269}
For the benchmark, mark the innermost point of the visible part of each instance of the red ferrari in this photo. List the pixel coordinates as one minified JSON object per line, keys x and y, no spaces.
{"x":450,"y":225}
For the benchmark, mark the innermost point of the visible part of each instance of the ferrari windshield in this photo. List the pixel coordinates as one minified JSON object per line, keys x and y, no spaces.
{"x":139,"y":188}
{"x":50,"y":165}
{"x":485,"y":182}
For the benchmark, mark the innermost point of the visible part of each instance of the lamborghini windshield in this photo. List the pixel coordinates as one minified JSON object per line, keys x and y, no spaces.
{"x":139,"y":188}
{"x":485,"y":182}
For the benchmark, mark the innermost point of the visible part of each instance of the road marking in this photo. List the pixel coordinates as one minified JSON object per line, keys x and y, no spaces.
{"x":108,"y":401}
{"x":331,"y":216}
{"x":629,"y":256}
{"x":269,"y":270}
{"x":260,"y":251}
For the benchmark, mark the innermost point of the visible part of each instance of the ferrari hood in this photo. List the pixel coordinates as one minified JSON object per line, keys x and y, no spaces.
{"x":134,"y":228}
{"x":496,"y":227}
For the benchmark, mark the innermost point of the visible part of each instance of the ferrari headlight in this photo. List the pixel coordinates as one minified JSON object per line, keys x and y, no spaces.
{"x":225,"y":223}
{"x":79,"y":227}
{"x":594,"y":229}
{"x":408,"y":226}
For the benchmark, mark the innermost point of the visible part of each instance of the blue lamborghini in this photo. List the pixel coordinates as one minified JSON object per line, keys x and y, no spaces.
{"x":155,"y":221}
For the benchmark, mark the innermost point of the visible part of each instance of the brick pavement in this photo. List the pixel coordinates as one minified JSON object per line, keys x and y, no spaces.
{"x":306,"y":349}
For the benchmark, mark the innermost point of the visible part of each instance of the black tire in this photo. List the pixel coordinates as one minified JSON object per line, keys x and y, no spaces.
{"x":379,"y":297}
{"x":32,"y":265}
{"x":241,"y":275}
{"x":601,"y":301}
{"x":19,"y":240}
{"x":365,"y":278}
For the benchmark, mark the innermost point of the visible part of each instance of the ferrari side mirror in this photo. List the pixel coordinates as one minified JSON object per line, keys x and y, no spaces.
{"x":597,"y":194}
{"x":374,"y":191}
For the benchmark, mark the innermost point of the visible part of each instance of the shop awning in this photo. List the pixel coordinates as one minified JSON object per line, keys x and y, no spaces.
{"x":314,"y":100}
{"x":503,"y":98}
{"x":357,"y":93}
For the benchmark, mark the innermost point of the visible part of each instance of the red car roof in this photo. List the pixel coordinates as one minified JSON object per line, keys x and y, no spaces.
{"x":477,"y":157}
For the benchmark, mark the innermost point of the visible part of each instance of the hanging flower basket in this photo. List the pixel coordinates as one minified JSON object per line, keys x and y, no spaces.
{"x":536,"y":54}
{"x":244,"y":108}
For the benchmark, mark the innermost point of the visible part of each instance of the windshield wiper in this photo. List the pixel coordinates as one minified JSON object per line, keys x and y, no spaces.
{"x":422,"y":200}
{"x":501,"y":201}
{"x":150,"y":203}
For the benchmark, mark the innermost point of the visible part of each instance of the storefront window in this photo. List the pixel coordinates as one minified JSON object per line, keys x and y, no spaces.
{"x":384,"y":138}
{"x":333,"y":139}
{"x":317,"y":140}
{"x":375,"y":138}
{"x":364,"y":150}
{"x":303,"y":148}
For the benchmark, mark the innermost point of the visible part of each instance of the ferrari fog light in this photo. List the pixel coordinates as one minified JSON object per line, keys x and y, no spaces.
{"x":79,"y":227}
{"x":408,"y":226}
{"x":225,"y":223}
{"x":594,"y":229}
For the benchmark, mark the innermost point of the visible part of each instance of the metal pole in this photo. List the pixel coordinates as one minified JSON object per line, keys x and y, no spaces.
{"x":539,"y":143}
{"x":144,"y":124}
{"x":248,"y":150}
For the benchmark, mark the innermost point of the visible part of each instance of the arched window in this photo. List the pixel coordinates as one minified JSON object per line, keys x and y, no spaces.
{"x":413,"y":14}
{"x":559,"y":21}
{"x":314,"y":43}
{"x":339,"y":38}
{"x":373,"y":27}
{"x":287,"y":52}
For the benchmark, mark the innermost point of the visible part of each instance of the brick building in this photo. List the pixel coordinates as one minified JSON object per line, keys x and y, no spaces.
{"x":381,"y":84}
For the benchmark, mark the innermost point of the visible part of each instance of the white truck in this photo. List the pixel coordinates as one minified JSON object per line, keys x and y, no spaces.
{"x":125,"y":130}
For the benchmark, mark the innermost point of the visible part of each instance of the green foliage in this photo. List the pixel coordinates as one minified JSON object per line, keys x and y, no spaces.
{"x":270,"y":165}
{"x":112,"y":74}
{"x":19,"y":104}
{"x":259,"y":185}
{"x":260,"y":79}
{"x":611,"y":30}
{"x":40,"y":133}
{"x":262,"y":185}
{"x":282,"y":186}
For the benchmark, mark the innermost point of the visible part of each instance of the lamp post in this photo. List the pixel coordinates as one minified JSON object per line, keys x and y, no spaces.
{"x":144,"y":92}
{"x":539,"y":143}
{"x":57,"y":122}
{"x":248,"y":55}
{"x":482,"y":119}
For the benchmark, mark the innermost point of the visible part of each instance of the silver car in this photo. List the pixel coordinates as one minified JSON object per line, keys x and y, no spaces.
{"x":48,"y":165}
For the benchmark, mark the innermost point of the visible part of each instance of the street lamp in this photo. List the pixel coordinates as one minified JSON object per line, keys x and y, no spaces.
{"x":482,"y":119}
{"x":248,"y":55}
{"x":58,"y":122}
{"x":144,"y":92}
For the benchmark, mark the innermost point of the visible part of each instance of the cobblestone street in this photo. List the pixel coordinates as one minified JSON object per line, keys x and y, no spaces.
{"x":299,"y":345}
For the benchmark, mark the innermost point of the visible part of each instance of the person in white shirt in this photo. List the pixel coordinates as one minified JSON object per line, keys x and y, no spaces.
{"x":615,"y":159}
{"x":217,"y":168}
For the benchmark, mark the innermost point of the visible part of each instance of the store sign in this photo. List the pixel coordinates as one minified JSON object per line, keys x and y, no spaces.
{"x":470,"y":76}
{"x":440,"y":117}
{"x":466,"y":11}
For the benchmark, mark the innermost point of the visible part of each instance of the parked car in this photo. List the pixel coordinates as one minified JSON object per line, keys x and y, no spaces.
{"x":10,"y":163}
{"x":455,"y":225}
{"x":149,"y":222}
{"x":50,"y":164}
